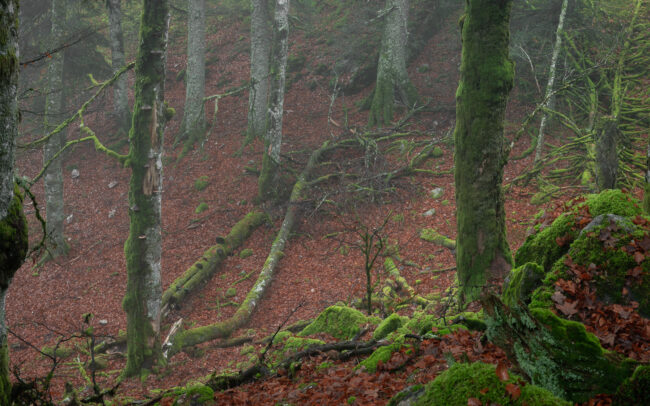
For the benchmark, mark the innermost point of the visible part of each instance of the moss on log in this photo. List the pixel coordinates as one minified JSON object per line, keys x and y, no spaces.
{"x":203,"y":269}
{"x":224,"y":329}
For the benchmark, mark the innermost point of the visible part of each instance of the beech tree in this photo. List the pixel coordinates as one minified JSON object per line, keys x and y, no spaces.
{"x":53,"y":180}
{"x":261,"y":35}
{"x":118,"y":60}
{"x":486,"y":78}
{"x":143,"y":247}
{"x":13,"y":226}
{"x":392,"y":78}
{"x":193,"y":124}
{"x":273,"y":139}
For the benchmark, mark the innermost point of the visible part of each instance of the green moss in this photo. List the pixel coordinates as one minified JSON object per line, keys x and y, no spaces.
{"x":382,"y":354}
{"x":388,"y":325}
{"x":194,"y":393}
{"x":245,"y":253}
{"x":338,"y":321}
{"x":634,"y":390}
{"x":203,"y":206}
{"x":231,"y":292}
{"x":602,"y":246}
{"x":201,"y":183}
{"x":61,"y":351}
{"x":463,"y":381}
{"x":521,"y":283}
{"x":13,"y":239}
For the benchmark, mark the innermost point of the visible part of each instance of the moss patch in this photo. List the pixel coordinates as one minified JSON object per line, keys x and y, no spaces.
{"x":634,"y":390}
{"x":521,"y":283}
{"x":201,"y":183}
{"x":463,"y":381}
{"x":388,"y":325}
{"x":338,"y":321}
{"x":245,"y":253}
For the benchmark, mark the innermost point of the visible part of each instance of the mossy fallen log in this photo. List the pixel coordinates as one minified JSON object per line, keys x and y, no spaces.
{"x":203,"y":269}
{"x":224,"y":329}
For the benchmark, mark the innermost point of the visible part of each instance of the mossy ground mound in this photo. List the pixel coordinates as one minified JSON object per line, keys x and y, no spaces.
{"x":462,"y":381}
{"x":338,"y":321}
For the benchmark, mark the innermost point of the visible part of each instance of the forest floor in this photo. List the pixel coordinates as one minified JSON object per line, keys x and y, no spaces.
{"x":47,"y":304}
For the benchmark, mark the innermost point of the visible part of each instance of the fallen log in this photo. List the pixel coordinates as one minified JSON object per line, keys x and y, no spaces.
{"x":203,"y":269}
{"x":224,"y":329}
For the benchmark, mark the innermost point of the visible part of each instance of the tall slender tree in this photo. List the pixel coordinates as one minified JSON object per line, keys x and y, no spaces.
{"x":486,"y":78}
{"x":118,"y":60}
{"x":53,"y":180}
{"x":548,"y":103}
{"x":143,"y":247}
{"x":193,"y":124}
{"x":273,"y":140}
{"x":261,"y":35}
{"x":392,"y":78}
{"x":13,"y":226}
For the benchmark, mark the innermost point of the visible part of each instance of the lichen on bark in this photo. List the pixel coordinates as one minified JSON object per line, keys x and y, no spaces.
{"x":142,"y":301}
{"x":486,"y":79}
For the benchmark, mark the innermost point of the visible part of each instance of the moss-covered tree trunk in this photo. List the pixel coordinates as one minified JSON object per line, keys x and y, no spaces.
{"x":261,"y":35}
{"x":142,"y":249}
{"x":193,"y":124}
{"x":13,"y":226}
{"x":268,"y":179}
{"x":606,"y":153}
{"x":118,"y":60}
{"x":53,"y":179}
{"x":486,"y":77}
{"x":392,"y":78}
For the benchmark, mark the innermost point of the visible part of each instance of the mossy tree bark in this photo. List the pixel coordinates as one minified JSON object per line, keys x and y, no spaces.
{"x":13,"y":226}
{"x":273,"y":139}
{"x":392,"y":78}
{"x":53,"y":180}
{"x":193,"y":124}
{"x":486,"y":77}
{"x":606,"y":153}
{"x":142,"y":249}
{"x":118,"y":60}
{"x":551,"y":80}
{"x":261,"y":34}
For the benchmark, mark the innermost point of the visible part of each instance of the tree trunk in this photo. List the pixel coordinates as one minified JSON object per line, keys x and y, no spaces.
{"x":53,"y":179}
{"x":482,"y":251}
{"x":143,"y":247}
{"x":392,"y":79}
{"x":193,"y":124}
{"x":258,"y":98}
{"x":118,"y":60}
{"x":271,"y":160}
{"x":13,"y":226}
{"x":606,"y":153}
{"x":548,"y":103}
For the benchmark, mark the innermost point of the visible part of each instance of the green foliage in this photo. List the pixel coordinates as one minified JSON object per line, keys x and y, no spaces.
{"x":231,"y":292}
{"x":201,"y":183}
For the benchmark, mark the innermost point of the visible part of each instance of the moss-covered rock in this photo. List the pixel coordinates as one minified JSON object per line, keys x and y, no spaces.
{"x":464,"y":381}
{"x":388,"y":325}
{"x":547,"y":244}
{"x":194,"y":393}
{"x":634,"y":390}
{"x":609,"y":246}
{"x":245,"y":253}
{"x":381,"y":354}
{"x":521,"y":283}
{"x":338,"y":321}
{"x":557,"y":354}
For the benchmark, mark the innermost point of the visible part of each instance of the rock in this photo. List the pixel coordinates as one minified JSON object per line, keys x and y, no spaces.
{"x":429,"y":213}
{"x":74,"y":174}
{"x":103,"y":322}
{"x":437,"y":193}
{"x":112,"y":184}
{"x":68,"y":219}
{"x":111,"y":213}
